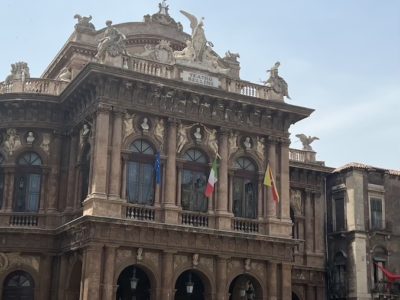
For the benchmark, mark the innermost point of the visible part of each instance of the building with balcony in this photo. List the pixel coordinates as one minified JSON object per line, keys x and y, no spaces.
{"x":363,"y":232}
{"x":104,"y":161}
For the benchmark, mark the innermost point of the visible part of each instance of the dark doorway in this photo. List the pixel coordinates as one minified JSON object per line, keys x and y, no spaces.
{"x":18,"y":285}
{"x":74,"y":287}
{"x":133,"y":284}
{"x":183,"y":283}
{"x":245,"y":287}
{"x":295,"y":297}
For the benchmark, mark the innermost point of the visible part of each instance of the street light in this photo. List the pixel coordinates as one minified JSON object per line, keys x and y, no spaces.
{"x":134,"y":280}
{"x":189,"y":285}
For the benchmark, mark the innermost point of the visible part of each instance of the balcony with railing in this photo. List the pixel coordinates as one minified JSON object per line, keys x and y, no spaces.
{"x":195,"y":219}
{"x":245,"y":225}
{"x":304,"y":156}
{"x":173,"y":71}
{"x":386,"y":290}
{"x":139,"y":212}
{"x":33,"y":86}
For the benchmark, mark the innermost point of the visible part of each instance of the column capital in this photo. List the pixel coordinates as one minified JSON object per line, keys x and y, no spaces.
{"x":104,"y":107}
{"x":272,"y":139}
{"x":119,"y":111}
{"x":284,"y":141}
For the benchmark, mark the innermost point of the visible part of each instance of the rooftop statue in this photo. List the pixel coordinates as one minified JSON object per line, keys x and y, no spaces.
{"x":163,"y":7}
{"x":233,"y":57}
{"x":84,"y":22}
{"x":163,"y":17}
{"x":112,"y":43}
{"x":306,"y":141}
{"x":199,"y":40}
{"x":277,"y":83}
{"x":198,"y":52}
{"x":19,"y":71}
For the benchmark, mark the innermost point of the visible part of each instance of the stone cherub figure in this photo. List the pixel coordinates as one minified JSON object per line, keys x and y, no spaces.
{"x":112,"y":43}
{"x":306,"y":141}
{"x":277,"y":83}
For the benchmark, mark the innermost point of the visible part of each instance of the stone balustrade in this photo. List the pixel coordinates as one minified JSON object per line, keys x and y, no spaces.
{"x":139,"y":212}
{"x":194,"y":219}
{"x":24,"y":220}
{"x":168,"y":71}
{"x":303,"y":156}
{"x":245,"y":225}
{"x":33,"y":86}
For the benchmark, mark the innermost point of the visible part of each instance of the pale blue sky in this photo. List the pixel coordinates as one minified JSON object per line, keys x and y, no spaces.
{"x":340,"y":57}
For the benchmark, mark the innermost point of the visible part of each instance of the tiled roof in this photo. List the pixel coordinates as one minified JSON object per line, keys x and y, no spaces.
{"x":354,"y":165}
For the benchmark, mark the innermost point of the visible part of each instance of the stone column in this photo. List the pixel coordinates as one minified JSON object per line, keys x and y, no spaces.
{"x":62,"y":278}
{"x":284,"y":180}
{"x":286,"y":282}
{"x":167,"y":290}
{"x":54,"y":173}
{"x":170,"y":209}
{"x":90,"y":285}
{"x":319,"y":206}
{"x":100,"y":153}
{"x":271,"y":207}
{"x":109,"y":269}
{"x":272,"y":281}
{"x":9,"y":182}
{"x":320,"y":293}
{"x":45,"y":277}
{"x":73,"y":148}
{"x":221,"y":278}
{"x":223,"y":216}
{"x":115,"y":174}
{"x":309,"y":236}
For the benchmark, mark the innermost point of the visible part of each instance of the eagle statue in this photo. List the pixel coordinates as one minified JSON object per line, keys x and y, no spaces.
{"x":306,"y":141}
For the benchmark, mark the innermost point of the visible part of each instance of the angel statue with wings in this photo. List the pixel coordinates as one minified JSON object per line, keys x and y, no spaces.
{"x":199,"y":41}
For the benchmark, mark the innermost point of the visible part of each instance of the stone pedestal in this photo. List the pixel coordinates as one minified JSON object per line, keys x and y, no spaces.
{"x":102,"y":207}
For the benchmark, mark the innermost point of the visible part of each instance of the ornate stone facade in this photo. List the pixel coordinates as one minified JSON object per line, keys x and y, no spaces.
{"x":104,"y":162}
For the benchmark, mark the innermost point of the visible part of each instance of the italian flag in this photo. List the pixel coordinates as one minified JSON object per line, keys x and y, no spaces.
{"x":212,"y":179}
{"x":270,"y":182}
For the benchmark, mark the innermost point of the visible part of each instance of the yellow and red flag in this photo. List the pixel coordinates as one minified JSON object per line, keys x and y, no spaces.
{"x":269,"y":181}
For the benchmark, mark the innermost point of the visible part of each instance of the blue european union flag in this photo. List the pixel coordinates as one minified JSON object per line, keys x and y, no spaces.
{"x":157,"y":168}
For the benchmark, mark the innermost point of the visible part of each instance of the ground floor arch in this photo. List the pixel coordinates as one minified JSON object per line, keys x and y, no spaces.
{"x":74,"y":283}
{"x":192,"y":284}
{"x":295,"y":297}
{"x":134,"y":284}
{"x":245,"y":287}
{"x":18,"y":285}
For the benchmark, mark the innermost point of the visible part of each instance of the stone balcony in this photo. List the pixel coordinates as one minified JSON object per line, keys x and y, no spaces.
{"x":33,"y":86}
{"x":304,"y":156}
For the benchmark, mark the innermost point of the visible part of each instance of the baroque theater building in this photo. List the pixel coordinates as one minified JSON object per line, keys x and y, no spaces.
{"x":105,"y":158}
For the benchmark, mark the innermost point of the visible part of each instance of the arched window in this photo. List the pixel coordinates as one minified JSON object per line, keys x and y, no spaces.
{"x":194,"y":181}
{"x":1,"y":181}
{"x":18,"y":285}
{"x":27,"y":183}
{"x":85,"y":172}
{"x":140,"y":177}
{"x":245,"y":186}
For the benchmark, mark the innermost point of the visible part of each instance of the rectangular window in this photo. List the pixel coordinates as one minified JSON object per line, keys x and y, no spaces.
{"x":339,"y":217}
{"x":376,"y":213}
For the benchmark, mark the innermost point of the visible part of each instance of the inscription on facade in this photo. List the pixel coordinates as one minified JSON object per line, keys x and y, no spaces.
{"x":200,"y":78}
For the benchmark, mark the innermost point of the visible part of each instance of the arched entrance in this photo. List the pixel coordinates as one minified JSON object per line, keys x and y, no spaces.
{"x":245,"y":287}
{"x":18,"y":285}
{"x":189,"y":285}
{"x":295,"y":297}
{"x":74,"y":285}
{"x":133,"y":284}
